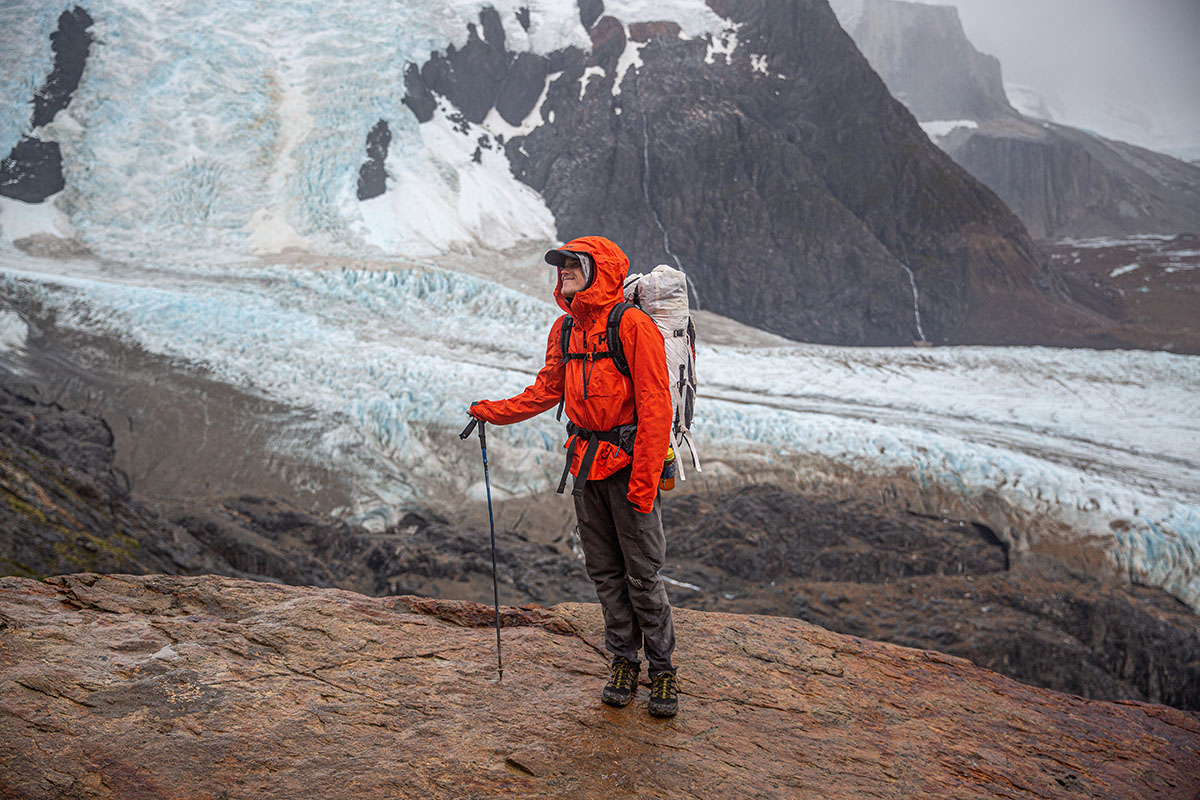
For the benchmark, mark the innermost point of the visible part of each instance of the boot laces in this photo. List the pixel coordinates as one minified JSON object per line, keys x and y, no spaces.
{"x":622,"y":675}
{"x":662,"y":686}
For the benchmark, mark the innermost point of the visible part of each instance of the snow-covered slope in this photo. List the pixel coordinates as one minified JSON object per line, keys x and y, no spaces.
{"x":240,"y":127}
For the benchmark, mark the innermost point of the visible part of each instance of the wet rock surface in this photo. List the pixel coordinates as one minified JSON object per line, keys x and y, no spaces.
{"x":160,"y":686}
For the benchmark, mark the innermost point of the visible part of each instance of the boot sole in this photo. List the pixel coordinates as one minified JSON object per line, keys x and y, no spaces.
{"x":659,"y":711}
{"x":617,"y":702}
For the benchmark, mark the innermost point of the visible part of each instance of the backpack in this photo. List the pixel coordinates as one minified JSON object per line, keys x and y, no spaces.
{"x":662,"y":295}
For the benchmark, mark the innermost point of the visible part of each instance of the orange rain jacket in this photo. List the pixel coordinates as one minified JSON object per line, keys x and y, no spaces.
{"x":598,"y":396}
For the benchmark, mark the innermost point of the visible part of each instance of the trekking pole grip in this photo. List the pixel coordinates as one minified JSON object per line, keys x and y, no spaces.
{"x":470,"y":427}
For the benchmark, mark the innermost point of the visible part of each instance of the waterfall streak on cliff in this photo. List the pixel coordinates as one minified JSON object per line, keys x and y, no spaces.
{"x":695,"y":295}
{"x":912,"y":281}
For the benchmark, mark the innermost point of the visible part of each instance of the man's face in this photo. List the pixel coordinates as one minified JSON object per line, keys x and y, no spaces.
{"x":571,"y":273}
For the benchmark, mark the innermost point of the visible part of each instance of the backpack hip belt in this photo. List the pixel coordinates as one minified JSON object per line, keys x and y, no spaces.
{"x":621,"y":436}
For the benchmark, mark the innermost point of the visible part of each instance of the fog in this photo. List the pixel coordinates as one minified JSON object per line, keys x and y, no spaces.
{"x":1127,"y":69}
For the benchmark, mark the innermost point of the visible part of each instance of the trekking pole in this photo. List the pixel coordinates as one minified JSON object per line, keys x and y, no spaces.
{"x":491,"y":524}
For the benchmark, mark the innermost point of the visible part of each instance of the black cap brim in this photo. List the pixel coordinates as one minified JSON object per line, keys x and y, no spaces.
{"x":557,"y":257}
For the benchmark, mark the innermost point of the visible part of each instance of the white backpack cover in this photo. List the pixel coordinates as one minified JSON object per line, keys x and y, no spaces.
{"x":663,"y":295}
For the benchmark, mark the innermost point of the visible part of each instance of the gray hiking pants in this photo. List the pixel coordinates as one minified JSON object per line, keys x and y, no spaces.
{"x":624,"y":549}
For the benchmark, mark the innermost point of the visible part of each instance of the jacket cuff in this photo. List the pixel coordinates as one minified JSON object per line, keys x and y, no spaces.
{"x":641,"y":508}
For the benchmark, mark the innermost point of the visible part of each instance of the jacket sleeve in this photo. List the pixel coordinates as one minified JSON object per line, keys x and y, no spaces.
{"x":644,"y":350}
{"x":544,"y":394}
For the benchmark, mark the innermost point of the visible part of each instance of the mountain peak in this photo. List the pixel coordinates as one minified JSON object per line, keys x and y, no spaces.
{"x":205,"y":686}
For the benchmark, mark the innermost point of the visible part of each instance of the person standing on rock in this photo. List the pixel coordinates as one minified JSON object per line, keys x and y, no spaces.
{"x":619,"y":429}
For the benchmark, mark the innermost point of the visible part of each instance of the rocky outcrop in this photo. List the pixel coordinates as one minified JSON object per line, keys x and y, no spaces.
{"x":66,"y":508}
{"x":860,"y":568}
{"x":798,"y":195}
{"x":1059,"y":180}
{"x":185,"y":687}
{"x":372,"y":175}
{"x":423,"y":554}
{"x":63,"y":508}
{"x":32,"y":171}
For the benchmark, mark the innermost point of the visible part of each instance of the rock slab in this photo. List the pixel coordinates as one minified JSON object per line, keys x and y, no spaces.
{"x":156,"y":686}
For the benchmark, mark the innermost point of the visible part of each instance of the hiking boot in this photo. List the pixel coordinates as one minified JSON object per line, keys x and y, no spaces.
{"x":622,"y":686}
{"x":664,"y":696}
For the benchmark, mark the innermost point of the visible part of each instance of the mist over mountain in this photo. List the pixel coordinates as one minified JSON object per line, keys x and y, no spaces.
{"x":1117,"y":69}
{"x":1122,"y":70}
{"x":1061,"y":181}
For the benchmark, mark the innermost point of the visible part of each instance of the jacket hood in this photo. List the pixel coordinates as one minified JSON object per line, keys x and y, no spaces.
{"x":610,"y":265}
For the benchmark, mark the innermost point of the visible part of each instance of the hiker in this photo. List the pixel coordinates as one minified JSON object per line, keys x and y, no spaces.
{"x":619,"y":433}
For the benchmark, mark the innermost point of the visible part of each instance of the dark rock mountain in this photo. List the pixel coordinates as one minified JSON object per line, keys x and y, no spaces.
{"x":796,"y":192}
{"x":32,"y":171}
{"x":1059,"y":180}
{"x":1066,"y":182}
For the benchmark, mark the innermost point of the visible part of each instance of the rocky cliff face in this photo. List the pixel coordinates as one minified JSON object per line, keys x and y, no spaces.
{"x":903,"y":40}
{"x":63,"y":508}
{"x":188,"y":687}
{"x":66,"y":508}
{"x":1060,"y":181}
{"x":1065,"y":182}
{"x":782,"y":177}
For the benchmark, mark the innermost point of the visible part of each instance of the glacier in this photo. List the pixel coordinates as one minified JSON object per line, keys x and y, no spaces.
{"x":1037,"y":443}
{"x":210,"y":216}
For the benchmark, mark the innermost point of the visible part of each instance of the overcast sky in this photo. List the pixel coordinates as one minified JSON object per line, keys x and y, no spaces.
{"x":1100,"y":59}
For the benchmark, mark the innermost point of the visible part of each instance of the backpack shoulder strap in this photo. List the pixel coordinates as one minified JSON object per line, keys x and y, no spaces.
{"x":564,"y":349}
{"x":564,"y":336}
{"x":614,"y":337}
